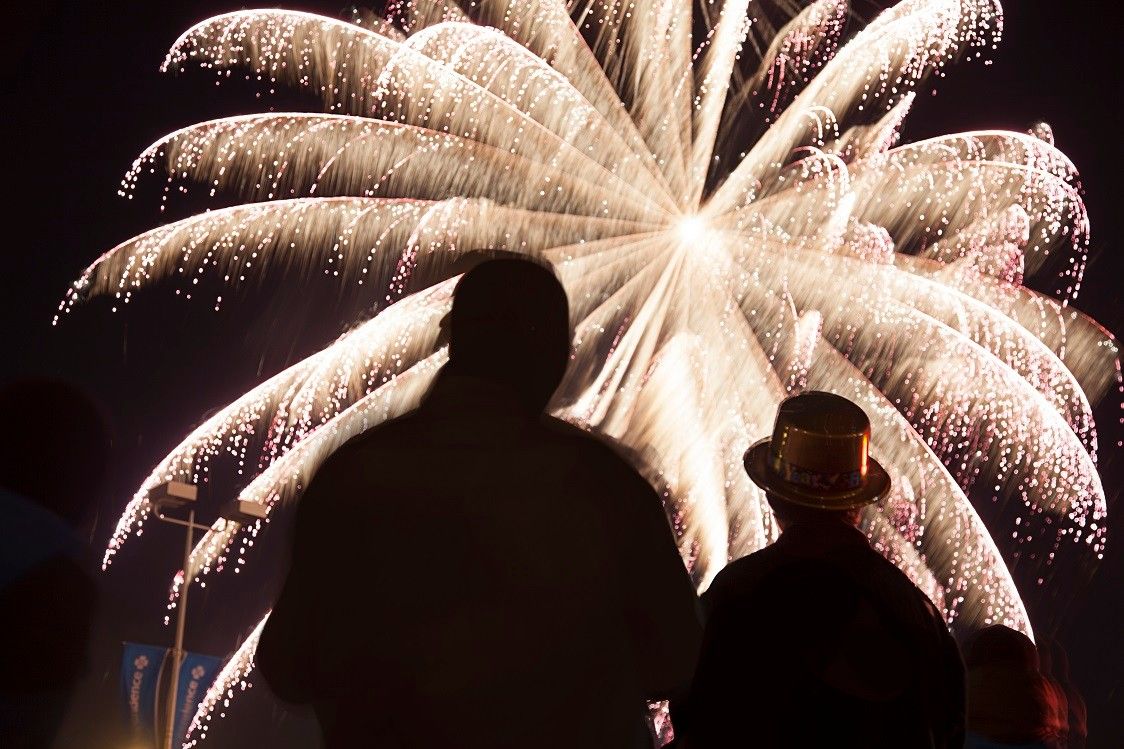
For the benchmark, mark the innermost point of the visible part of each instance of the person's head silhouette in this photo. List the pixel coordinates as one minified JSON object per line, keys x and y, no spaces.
{"x":510,"y":324}
{"x":999,"y":645}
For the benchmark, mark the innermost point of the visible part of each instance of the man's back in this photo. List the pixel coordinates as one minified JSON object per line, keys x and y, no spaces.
{"x":817,"y":639}
{"x":479,"y":577}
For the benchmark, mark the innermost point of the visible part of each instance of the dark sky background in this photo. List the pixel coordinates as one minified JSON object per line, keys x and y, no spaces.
{"x":82,"y":97}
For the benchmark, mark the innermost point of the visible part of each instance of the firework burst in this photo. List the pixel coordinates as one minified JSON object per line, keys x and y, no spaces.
{"x":722,"y":192}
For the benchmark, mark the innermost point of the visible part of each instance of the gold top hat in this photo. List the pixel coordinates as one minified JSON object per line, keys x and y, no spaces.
{"x":817,"y":456}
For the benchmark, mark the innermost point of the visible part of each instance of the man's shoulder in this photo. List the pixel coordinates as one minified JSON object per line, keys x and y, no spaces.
{"x":597,"y":450}
{"x":890,"y":573}
{"x":362,"y":454}
{"x":568,"y":433}
{"x":389,"y":434}
{"x":766,"y":558}
{"x":740,"y":577}
{"x":883,"y":580}
{"x":857,"y":562}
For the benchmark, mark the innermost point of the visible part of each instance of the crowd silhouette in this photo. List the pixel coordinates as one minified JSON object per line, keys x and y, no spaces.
{"x":480,"y":574}
{"x":54,"y":448}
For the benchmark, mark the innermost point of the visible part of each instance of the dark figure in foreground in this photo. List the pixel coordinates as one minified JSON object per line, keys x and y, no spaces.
{"x":53,"y":454}
{"x":817,"y":640}
{"x":1011,"y":702}
{"x":476,"y":574}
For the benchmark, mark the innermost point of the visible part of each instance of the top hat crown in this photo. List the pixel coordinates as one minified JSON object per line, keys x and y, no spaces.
{"x":818,"y":455}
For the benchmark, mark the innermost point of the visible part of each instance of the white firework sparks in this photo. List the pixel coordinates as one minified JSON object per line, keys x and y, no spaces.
{"x":721,"y":191}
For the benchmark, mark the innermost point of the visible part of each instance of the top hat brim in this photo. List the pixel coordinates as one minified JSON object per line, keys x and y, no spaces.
{"x":757,"y":465}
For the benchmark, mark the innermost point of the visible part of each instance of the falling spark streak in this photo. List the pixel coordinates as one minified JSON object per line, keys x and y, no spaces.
{"x":287,"y":474}
{"x":234,"y":674}
{"x":733,"y":219}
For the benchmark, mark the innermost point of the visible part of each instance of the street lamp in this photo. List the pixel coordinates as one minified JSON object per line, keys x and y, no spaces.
{"x":173,"y":495}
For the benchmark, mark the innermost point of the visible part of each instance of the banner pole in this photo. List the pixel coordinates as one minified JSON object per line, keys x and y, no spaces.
{"x":177,"y":650}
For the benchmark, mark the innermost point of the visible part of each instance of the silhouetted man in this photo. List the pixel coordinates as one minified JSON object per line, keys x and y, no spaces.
{"x":817,"y":640}
{"x":476,"y":574}
{"x":53,"y":452}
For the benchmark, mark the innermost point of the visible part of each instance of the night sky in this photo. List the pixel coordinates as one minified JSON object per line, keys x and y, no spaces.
{"x":82,"y":97}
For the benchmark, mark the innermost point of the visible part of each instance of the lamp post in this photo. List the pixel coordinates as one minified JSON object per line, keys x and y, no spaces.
{"x":170,"y":496}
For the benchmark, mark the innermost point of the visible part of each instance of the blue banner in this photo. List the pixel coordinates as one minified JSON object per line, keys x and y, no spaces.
{"x":141,"y":667}
{"x":196,"y":674}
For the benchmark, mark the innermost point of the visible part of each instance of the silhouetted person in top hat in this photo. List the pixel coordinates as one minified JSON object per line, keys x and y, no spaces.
{"x":1011,"y":701}
{"x":476,"y":574}
{"x":817,"y":640}
{"x":54,"y":448}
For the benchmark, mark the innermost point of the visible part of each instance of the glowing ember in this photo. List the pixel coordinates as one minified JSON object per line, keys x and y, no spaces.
{"x":733,"y":221}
